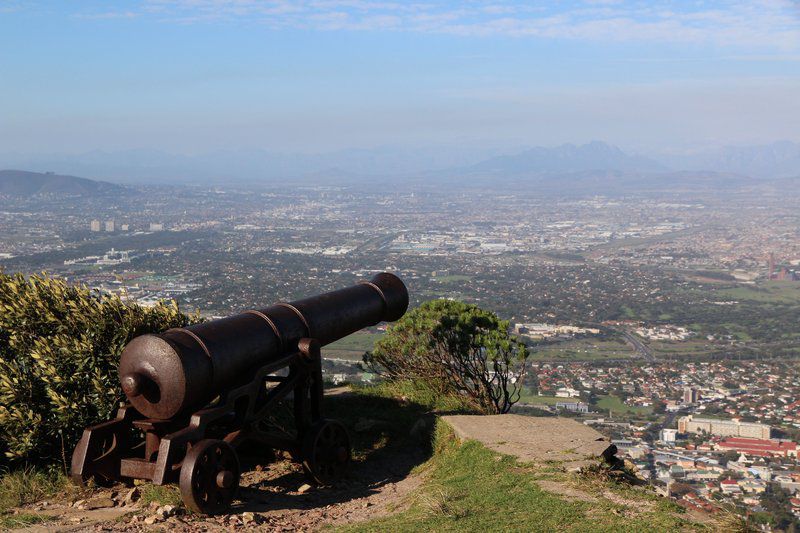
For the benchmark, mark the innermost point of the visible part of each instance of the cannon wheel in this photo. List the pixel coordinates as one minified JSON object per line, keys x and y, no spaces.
{"x":209,"y":476}
{"x":326,"y":451}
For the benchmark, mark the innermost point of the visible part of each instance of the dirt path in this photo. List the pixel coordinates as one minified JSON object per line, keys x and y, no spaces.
{"x":275,"y":497}
{"x":274,"y":494}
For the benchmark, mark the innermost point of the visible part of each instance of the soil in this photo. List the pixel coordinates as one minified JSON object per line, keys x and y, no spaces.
{"x":273,"y":497}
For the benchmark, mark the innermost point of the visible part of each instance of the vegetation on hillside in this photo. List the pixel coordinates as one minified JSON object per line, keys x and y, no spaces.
{"x":455,"y":348}
{"x":471,"y":488}
{"x":59,"y":350}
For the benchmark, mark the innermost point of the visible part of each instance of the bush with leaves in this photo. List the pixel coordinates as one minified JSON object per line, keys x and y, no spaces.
{"x":455,"y":348}
{"x":59,"y":350}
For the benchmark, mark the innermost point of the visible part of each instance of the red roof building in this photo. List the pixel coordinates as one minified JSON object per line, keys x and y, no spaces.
{"x":759,"y":447}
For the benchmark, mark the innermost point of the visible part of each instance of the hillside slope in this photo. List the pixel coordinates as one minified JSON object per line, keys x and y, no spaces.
{"x":410,"y":473}
{"x":22,"y":183}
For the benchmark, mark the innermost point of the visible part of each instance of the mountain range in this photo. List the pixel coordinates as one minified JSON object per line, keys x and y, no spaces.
{"x":770,"y":161}
{"x":595,"y":155}
{"x":21,"y":183}
{"x":595,"y":161}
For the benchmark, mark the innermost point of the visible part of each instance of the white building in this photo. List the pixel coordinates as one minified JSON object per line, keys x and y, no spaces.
{"x":668,"y":435}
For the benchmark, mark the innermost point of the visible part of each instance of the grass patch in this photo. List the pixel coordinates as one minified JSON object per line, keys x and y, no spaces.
{"x":28,"y":485}
{"x":160,"y":494}
{"x":470,"y":488}
{"x":15,"y":521}
{"x":357,"y":342}
{"x":582,"y":350}
{"x":417,"y":393}
{"x":535,"y":399}
{"x":616,"y":405}
{"x":782,"y":292}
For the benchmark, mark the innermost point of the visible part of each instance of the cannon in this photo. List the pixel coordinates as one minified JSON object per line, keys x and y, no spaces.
{"x":195,"y":395}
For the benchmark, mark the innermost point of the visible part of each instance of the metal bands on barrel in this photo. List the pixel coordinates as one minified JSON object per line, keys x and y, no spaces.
{"x":297,"y":312}
{"x":271,"y":324}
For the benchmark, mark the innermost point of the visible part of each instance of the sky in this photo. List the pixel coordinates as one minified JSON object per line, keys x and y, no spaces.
{"x":195,"y":76}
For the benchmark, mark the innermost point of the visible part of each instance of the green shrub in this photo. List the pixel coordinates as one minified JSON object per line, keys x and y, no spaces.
{"x":455,"y":348}
{"x":59,"y":349}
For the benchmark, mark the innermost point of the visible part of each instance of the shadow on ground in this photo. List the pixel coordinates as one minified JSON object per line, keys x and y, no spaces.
{"x":389,"y":437}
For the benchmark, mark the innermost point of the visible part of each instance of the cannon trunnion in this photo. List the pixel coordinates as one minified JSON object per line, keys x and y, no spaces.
{"x":196,"y":394}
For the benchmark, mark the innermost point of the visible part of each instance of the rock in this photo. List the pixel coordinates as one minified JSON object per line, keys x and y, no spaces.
{"x":304,"y":488}
{"x":250,"y":518}
{"x":366,"y":504}
{"x":132,"y":496}
{"x":152,"y":519}
{"x":78,"y":503}
{"x":98,"y":503}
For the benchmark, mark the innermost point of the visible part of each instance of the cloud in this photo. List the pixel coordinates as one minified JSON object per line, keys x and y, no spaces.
{"x":764,"y":24}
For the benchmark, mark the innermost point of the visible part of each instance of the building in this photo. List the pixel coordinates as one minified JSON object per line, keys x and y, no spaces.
{"x":730,"y":486}
{"x":110,"y":226}
{"x":668,"y":435}
{"x":95,"y":225}
{"x":690,"y":395}
{"x":574,"y":407}
{"x":156,"y":227}
{"x":124,"y":227}
{"x":759,"y":447}
{"x":723,"y":428}
{"x":567,"y":392}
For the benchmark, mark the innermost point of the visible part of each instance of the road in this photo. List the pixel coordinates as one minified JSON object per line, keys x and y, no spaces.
{"x":640,"y":347}
{"x":635,"y":342}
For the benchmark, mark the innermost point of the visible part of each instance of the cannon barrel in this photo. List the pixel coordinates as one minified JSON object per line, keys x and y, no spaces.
{"x":167,"y":374}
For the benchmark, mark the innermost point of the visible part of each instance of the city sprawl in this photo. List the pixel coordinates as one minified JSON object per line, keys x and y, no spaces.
{"x":670,"y":322}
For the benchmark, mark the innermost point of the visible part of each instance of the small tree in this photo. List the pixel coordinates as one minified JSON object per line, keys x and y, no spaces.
{"x":59,"y":350}
{"x":455,"y":347}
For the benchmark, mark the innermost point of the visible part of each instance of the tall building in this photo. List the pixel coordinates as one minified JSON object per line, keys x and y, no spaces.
{"x":723,"y":428}
{"x":95,"y":225}
{"x":690,"y":395}
{"x":109,"y":226}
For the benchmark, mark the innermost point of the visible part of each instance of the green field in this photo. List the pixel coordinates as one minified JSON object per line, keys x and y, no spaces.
{"x":542,"y":400}
{"x":779,"y":292}
{"x":682,"y":348}
{"x":617,"y":406}
{"x":583,"y":350}
{"x":352,"y":347}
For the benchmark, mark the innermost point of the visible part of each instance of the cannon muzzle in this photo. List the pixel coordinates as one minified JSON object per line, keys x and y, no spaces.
{"x":185,"y":368}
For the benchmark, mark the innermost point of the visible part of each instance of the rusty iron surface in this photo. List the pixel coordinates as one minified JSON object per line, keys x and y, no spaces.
{"x":218,"y":380}
{"x":184,"y":368}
